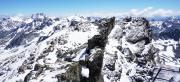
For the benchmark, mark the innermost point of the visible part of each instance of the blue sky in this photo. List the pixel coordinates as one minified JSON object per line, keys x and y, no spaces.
{"x":66,"y":7}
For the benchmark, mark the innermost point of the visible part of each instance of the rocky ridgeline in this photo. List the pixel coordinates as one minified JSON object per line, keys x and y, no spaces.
{"x":93,"y":59}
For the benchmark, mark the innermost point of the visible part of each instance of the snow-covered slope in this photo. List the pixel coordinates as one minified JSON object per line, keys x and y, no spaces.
{"x":61,"y":49}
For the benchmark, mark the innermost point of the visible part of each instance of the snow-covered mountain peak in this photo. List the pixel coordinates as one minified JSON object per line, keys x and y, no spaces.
{"x":38,"y":16}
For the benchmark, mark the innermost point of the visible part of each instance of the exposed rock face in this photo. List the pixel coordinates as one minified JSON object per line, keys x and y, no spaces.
{"x":38,"y":69}
{"x":27,"y":64}
{"x":137,"y":30}
{"x":138,"y":34}
{"x":134,"y":37}
{"x":95,"y":65}
{"x":71,"y":75}
{"x":98,"y":42}
{"x":106,"y":25}
{"x":22,"y":69}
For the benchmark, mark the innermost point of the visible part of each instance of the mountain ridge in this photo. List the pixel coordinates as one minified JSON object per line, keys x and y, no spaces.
{"x":65,"y":49}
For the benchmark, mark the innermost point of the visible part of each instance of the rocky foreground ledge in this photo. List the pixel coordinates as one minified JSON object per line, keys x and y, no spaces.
{"x":83,"y":51}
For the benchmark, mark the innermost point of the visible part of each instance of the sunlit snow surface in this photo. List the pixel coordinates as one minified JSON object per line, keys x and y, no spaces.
{"x":85,"y":72}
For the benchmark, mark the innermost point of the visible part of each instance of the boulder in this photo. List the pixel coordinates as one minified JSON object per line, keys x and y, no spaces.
{"x":38,"y":67}
{"x":72,"y":74}
{"x":137,"y":30}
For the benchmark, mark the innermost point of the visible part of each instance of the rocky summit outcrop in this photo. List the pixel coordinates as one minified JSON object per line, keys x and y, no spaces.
{"x":133,"y":55}
{"x":136,"y":30}
{"x":137,"y":35}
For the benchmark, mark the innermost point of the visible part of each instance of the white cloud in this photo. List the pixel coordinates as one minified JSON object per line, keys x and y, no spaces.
{"x":150,"y":11}
{"x":147,"y":12}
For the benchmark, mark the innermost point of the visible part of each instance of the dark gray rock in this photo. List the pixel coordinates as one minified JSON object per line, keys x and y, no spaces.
{"x":95,"y":66}
{"x":137,"y":30}
{"x":96,"y":41}
{"x":62,"y":41}
{"x":28,"y":77}
{"x":74,"y":23}
{"x":128,"y":54}
{"x":22,"y":68}
{"x":106,"y":25}
{"x":136,"y":35}
{"x":2,"y":73}
{"x":71,"y":75}
{"x":49,"y":49}
{"x":127,"y":19}
{"x":110,"y":66}
{"x":38,"y":67}
{"x":42,"y":38}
